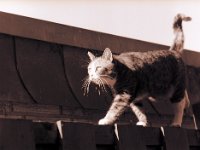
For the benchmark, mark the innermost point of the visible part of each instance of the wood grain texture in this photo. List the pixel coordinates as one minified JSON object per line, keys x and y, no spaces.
{"x":130,"y":138}
{"x":105,"y":135}
{"x":11,"y":88}
{"x":175,"y":139}
{"x":41,"y":67}
{"x":78,"y":136}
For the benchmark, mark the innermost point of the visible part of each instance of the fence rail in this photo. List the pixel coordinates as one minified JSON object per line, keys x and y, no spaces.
{"x":28,"y":135}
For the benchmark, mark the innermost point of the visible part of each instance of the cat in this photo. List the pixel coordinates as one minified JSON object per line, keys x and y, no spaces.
{"x":135,"y":76}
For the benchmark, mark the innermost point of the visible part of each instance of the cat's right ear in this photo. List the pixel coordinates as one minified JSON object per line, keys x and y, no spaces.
{"x":91,"y":56}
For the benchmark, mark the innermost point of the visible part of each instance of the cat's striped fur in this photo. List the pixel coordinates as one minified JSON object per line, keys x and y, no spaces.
{"x":134,"y":76}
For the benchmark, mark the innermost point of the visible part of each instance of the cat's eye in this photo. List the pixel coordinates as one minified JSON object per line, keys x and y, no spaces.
{"x":98,"y":67}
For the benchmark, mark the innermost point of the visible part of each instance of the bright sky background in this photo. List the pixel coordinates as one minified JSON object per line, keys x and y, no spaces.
{"x":147,"y":20}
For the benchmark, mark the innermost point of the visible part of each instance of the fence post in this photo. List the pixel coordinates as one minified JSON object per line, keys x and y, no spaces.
{"x":175,"y":138}
{"x":77,"y":136}
{"x":130,"y":137}
{"x":16,"y":135}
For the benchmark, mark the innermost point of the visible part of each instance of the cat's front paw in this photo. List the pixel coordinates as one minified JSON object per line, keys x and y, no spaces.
{"x":104,"y":122}
{"x":141,"y":123}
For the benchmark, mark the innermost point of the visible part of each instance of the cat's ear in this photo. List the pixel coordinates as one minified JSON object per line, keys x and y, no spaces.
{"x":107,"y":54}
{"x":91,"y":56}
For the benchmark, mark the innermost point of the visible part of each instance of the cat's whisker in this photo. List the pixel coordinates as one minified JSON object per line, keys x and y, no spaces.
{"x":99,"y":92}
{"x":85,"y":79}
{"x":84,"y":83}
{"x":85,"y":86}
{"x":104,"y":81}
{"x":88,"y":87}
{"x":85,"y":90}
{"x":98,"y":83}
{"x":103,"y":86}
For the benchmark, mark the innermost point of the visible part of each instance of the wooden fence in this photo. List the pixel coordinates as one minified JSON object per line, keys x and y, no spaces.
{"x":41,"y":78}
{"x":28,"y":135}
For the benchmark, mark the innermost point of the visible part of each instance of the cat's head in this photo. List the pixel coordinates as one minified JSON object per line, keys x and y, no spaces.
{"x":100,"y":69}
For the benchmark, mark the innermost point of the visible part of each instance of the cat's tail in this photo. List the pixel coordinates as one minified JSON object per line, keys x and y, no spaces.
{"x":178,"y":42}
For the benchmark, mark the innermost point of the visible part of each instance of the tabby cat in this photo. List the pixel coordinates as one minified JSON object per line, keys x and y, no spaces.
{"x":134,"y":76}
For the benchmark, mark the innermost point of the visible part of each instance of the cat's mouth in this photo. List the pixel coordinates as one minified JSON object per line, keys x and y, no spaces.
{"x":100,"y":81}
{"x":104,"y":80}
{"x":93,"y":78}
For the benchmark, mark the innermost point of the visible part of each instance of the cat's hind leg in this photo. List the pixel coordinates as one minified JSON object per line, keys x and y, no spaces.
{"x":142,"y":119}
{"x":119,"y":104}
{"x":179,"y":110}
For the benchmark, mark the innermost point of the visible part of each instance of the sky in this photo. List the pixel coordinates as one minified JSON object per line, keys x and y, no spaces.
{"x":147,"y":20}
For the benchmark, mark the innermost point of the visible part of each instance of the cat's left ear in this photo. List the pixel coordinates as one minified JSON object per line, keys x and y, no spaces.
{"x":107,"y":54}
{"x":91,"y":56}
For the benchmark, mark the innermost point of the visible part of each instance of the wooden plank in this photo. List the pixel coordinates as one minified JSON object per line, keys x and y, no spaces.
{"x":175,"y":139}
{"x":193,"y":137}
{"x":29,"y":109}
{"x":77,"y":136}
{"x":130,"y":137}
{"x":45,"y":133}
{"x":50,"y":113}
{"x":152,"y":136}
{"x":191,"y":58}
{"x":68,"y":35}
{"x":16,"y":135}
{"x":46,"y":136}
{"x":104,"y":135}
{"x":193,"y":88}
{"x":11,"y":88}
{"x":53,"y":113}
